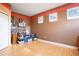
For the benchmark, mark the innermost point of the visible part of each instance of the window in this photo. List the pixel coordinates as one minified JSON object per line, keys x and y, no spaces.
{"x":73,"y":13}
{"x":53,"y":17}
{"x":40,"y":19}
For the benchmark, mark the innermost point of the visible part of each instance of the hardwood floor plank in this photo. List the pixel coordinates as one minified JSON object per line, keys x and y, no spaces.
{"x":37,"y":48}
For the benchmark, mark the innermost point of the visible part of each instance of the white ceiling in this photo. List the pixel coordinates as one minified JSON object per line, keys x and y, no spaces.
{"x":31,"y":9}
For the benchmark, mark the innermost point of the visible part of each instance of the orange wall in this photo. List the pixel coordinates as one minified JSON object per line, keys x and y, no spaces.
{"x":70,"y":5}
{"x":63,"y":31}
{"x":16,"y":16}
{"x":6,"y":5}
{"x":20,"y":15}
{"x":5,"y":8}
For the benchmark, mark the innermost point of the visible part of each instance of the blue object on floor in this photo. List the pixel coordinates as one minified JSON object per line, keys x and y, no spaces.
{"x":27,"y":38}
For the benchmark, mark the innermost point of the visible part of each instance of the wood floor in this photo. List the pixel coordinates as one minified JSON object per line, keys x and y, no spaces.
{"x":37,"y":48}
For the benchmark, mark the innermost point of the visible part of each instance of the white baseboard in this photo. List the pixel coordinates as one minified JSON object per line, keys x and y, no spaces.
{"x":63,"y":45}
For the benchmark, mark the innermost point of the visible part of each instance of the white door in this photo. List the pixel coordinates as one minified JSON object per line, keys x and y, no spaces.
{"x":4,"y":30}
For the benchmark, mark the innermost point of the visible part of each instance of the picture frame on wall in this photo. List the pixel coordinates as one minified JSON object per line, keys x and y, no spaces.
{"x":53,"y":17}
{"x":40,"y":19}
{"x":73,"y":13}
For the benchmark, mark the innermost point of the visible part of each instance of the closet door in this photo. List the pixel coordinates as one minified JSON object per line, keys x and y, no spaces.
{"x":4,"y":30}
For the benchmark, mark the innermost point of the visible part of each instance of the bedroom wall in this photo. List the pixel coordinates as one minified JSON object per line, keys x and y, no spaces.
{"x":15,"y":18}
{"x":18,"y":16}
{"x":63,"y":31}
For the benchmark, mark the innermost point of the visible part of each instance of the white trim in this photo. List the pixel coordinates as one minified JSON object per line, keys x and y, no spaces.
{"x":63,"y":45}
